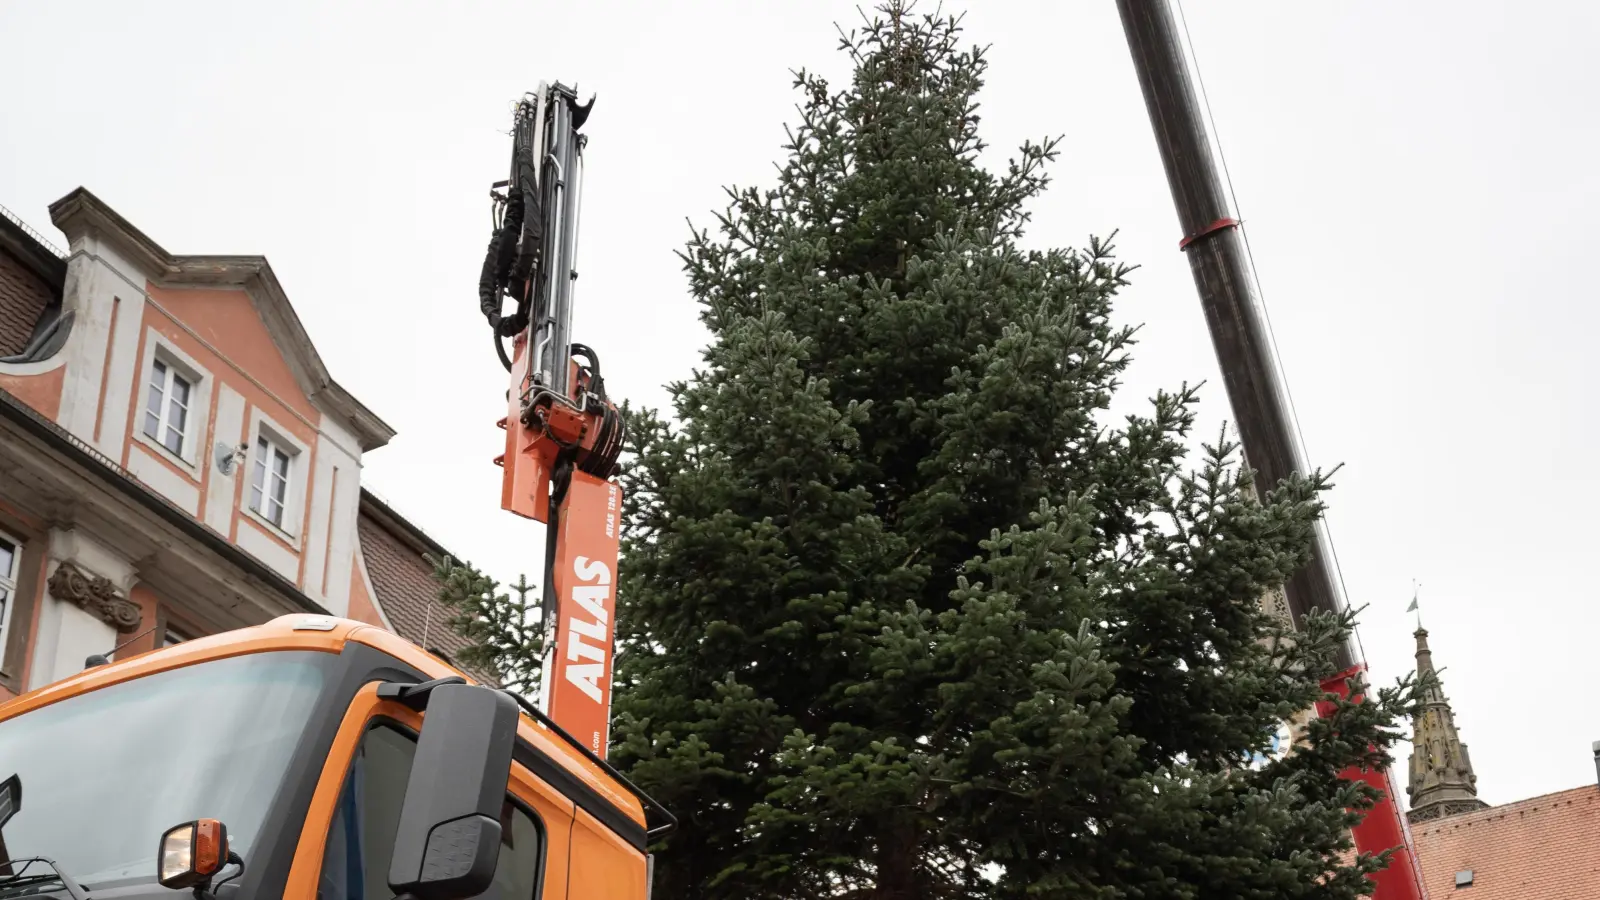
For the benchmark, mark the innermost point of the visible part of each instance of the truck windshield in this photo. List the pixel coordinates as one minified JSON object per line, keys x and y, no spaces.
{"x":105,"y":773}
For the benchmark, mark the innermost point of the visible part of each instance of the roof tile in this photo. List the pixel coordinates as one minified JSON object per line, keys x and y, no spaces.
{"x":23,"y":297}
{"x":408,"y":593}
{"x":1542,"y":848}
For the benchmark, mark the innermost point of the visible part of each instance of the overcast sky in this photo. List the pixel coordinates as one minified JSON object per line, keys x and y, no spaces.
{"x":1418,"y":181}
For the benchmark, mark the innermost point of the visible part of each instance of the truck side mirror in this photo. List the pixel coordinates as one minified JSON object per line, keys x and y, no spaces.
{"x":448,"y":840}
{"x":10,"y":798}
{"x":191,"y":853}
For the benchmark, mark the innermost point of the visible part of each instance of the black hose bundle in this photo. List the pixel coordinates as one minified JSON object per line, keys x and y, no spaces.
{"x":601,"y":461}
{"x":497,"y":262}
{"x":496,"y":278}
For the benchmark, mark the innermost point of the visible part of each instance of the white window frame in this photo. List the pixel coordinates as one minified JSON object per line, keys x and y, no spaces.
{"x":279,"y":438}
{"x":196,"y":424}
{"x":269,"y":480}
{"x":162,"y":390}
{"x":8,"y":585}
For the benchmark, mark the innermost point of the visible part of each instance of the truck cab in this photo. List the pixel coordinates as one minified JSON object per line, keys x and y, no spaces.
{"x":311,"y":758}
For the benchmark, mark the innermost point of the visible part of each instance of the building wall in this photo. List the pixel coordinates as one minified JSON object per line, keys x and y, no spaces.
{"x":218,"y":323}
{"x":241,"y":388}
{"x":25,"y":586}
{"x":41,"y":391}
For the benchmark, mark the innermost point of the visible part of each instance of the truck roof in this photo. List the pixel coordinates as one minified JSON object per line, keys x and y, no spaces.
{"x":330,"y":634}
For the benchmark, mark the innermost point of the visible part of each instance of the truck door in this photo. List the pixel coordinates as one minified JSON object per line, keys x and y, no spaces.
{"x":348,"y":837}
{"x":603,"y":865}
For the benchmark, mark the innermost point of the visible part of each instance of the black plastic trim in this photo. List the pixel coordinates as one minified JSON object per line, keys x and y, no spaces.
{"x":358,"y":664}
{"x":650,"y":803}
{"x":587,"y":798}
{"x":415,"y":696}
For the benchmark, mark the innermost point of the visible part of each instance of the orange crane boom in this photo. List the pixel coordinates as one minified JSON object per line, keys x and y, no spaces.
{"x":563,"y":435}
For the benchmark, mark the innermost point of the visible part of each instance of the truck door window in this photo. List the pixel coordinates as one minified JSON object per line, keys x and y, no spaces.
{"x":355,"y":864}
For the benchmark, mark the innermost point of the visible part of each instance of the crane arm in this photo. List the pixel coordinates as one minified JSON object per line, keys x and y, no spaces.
{"x":1222,"y":270}
{"x":563,"y":434}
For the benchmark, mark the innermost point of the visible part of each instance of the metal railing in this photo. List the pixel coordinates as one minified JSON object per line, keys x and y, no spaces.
{"x":23,"y":408}
{"x":16,"y":220}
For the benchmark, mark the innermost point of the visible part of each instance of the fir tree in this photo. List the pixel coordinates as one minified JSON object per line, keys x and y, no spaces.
{"x":504,"y":632}
{"x":902,"y":613}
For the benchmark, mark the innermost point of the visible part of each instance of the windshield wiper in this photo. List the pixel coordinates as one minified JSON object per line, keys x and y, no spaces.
{"x":20,"y":884}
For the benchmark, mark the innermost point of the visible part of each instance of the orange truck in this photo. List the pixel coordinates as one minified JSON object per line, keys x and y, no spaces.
{"x":311,"y":758}
{"x":316,"y":758}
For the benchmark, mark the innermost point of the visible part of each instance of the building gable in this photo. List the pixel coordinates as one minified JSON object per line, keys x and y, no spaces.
{"x":81,"y":214}
{"x":229,"y":326}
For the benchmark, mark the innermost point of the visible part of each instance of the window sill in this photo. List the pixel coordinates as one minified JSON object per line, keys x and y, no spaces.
{"x":276,"y":531}
{"x":164,"y":452}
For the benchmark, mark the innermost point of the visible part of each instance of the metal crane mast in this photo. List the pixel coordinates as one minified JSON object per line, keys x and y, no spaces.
{"x":1256,"y":391}
{"x":563,"y":434}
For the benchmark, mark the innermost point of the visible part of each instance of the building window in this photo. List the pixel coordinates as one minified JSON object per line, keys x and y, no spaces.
{"x":269,"y":483}
{"x":173,"y":637}
{"x":10,"y":561}
{"x":166,"y":411}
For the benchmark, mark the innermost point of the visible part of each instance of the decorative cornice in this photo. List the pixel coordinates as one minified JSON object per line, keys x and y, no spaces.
{"x":81,"y":212}
{"x":96,"y":595}
{"x":255,"y":276}
{"x":1444,"y":809}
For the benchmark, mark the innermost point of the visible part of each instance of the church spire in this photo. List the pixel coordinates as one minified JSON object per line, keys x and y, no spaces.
{"x":1442,"y":781}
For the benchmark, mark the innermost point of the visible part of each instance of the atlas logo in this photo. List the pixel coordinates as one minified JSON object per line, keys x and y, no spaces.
{"x":589,"y":655}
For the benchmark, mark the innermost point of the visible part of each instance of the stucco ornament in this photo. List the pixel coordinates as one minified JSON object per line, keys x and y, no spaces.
{"x":96,"y":595}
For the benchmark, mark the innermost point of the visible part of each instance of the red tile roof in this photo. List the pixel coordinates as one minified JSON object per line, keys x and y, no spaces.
{"x":23,"y":296}
{"x":403,"y":580}
{"x":31,"y":275}
{"x":1543,"y":848}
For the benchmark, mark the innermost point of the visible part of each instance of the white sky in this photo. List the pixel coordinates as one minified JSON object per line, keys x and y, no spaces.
{"x":1418,"y":181}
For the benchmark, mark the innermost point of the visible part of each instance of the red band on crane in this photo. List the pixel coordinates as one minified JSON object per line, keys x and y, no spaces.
{"x":1207,"y":231}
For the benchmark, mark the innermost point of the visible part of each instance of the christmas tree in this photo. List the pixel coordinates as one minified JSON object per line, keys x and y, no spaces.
{"x":902,"y":612}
